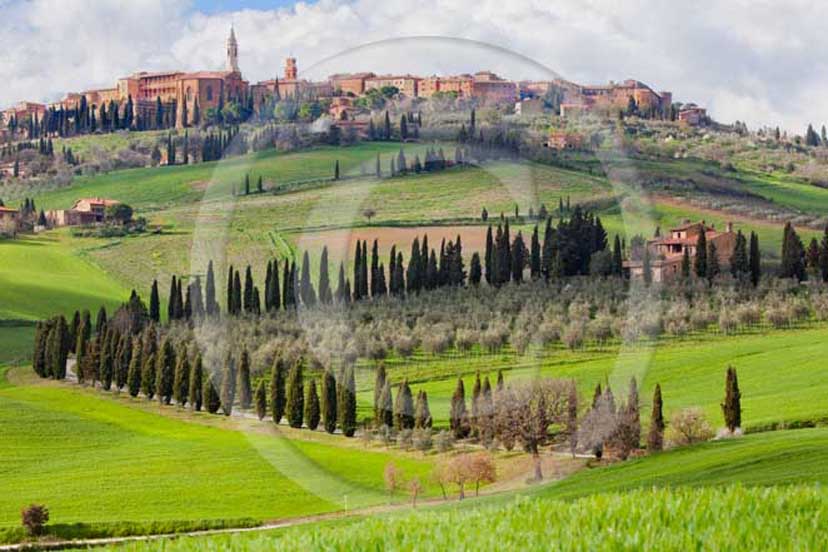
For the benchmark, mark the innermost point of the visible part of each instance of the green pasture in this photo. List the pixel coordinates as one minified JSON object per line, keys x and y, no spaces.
{"x":97,"y":459}
{"x":47,"y":274}
{"x":781,"y":374}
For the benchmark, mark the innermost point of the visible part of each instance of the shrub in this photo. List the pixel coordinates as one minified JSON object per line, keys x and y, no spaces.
{"x":689,"y":426}
{"x":34,"y":518}
{"x":444,"y":441}
{"x":422,"y":439}
{"x":573,"y":337}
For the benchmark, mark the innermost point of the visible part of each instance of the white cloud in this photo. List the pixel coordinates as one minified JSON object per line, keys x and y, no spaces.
{"x":751,"y":60}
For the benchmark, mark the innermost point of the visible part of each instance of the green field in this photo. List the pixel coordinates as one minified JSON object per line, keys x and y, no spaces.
{"x":49,"y":273}
{"x":676,"y":500}
{"x":98,"y":460}
{"x":690,"y":371}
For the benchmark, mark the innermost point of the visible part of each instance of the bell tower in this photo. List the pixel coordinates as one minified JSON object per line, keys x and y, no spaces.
{"x":290,"y":69}
{"x":232,"y":53}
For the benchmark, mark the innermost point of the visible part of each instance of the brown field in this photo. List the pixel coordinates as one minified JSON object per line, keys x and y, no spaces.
{"x":342,"y":243}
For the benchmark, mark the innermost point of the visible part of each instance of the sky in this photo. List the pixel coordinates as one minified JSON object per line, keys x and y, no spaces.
{"x":759,"y":61}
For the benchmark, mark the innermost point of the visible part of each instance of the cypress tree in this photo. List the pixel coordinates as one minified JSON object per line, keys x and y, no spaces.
{"x":535,"y":255}
{"x":793,"y":255}
{"x":122,"y":358}
{"x":477,"y":389}
{"x":148,"y":376}
{"x":379,"y":385}
{"x":375,"y":276}
{"x":248,"y":291}
{"x":422,"y":415}
{"x":655,"y":438}
{"x":701,"y":256}
{"x":295,"y":396}
{"x":245,"y":392}
{"x":194,"y":395}
{"x":363,"y":277}
{"x":823,"y":254}
{"x":348,"y":404}
{"x":385,"y":415}
{"x":181,"y":385}
{"x":164,"y":372}
{"x":755,"y":260}
{"x":312,"y":412}
{"x":135,"y":365}
{"x":325,"y":295}
{"x":57,"y":348}
{"x":713,"y":267}
{"x":518,"y":258}
{"x":500,"y":384}
{"x":739,"y":262}
{"x":228,"y":384}
{"x":458,"y":418}
{"x":475,"y":270}
{"x":210,"y":303}
{"x":685,"y":265}
{"x":100,"y":322}
{"x":155,"y":307}
{"x":261,"y":400}
{"x":39,"y":353}
{"x":329,"y":400}
{"x":306,"y":291}
{"x":404,"y":408}
{"x":230,"y":300}
{"x":342,"y":296}
{"x":633,"y":416}
{"x":212,"y":400}
{"x":277,"y":390}
{"x":107,"y":360}
{"x":171,"y":307}
{"x":489,"y":257}
{"x":732,"y":406}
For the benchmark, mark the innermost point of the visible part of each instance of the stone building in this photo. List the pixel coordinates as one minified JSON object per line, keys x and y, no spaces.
{"x":7,"y":214}
{"x":692,"y":115}
{"x":667,"y":253}
{"x":407,"y":84}
{"x":489,"y":88}
{"x":84,"y":212}
{"x":289,"y":86}
{"x":349,"y":84}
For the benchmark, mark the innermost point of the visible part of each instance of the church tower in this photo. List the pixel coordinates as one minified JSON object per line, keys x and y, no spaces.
{"x":232,"y":53}
{"x":291,"y":71}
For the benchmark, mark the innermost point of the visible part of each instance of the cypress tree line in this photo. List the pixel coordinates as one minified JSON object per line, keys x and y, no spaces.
{"x":278,"y":397}
{"x":329,"y":401}
{"x":295,"y":396}
{"x":655,"y":438}
{"x":122,"y":360}
{"x":306,"y":291}
{"x":312,"y":413}
{"x":739,"y":260}
{"x":245,"y":391}
{"x":195,"y":392}
{"x":227,"y":393}
{"x":732,"y":405}
{"x":261,"y":400}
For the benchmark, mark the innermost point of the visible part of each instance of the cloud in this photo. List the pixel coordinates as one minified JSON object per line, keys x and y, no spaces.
{"x":750,"y":60}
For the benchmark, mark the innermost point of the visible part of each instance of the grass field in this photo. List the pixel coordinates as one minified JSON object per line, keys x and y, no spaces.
{"x":97,"y":460}
{"x":691,"y":373}
{"x":48,"y":274}
{"x":676,"y":500}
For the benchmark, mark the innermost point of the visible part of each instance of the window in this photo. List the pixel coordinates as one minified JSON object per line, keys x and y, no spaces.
{"x":209,"y":93}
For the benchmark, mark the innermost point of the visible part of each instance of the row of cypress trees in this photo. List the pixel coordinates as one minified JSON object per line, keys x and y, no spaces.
{"x":403,"y":412}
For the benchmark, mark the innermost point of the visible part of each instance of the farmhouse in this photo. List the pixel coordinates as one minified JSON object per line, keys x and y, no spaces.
{"x":84,"y":212}
{"x":8,"y":214}
{"x":667,"y":253}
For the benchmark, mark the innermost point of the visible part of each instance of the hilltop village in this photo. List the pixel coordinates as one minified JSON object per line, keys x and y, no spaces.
{"x":180,"y":99}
